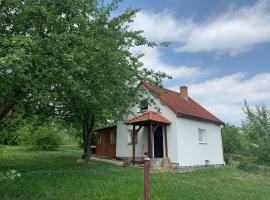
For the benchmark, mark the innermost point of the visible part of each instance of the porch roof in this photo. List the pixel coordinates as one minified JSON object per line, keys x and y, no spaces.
{"x":148,"y":117}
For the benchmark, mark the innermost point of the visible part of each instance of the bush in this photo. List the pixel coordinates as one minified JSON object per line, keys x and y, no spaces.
{"x":10,"y":175}
{"x":2,"y":150}
{"x":248,"y":166}
{"x":227,"y":158}
{"x":44,"y":137}
{"x":10,"y":125}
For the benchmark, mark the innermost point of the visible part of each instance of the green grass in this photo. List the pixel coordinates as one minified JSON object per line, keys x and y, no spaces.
{"x":56,"y":175}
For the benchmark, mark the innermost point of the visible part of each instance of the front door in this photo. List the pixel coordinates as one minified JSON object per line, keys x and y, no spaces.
{"x":158,"y":142}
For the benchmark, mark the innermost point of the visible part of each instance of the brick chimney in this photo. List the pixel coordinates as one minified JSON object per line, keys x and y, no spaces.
{"x":184,"y":92}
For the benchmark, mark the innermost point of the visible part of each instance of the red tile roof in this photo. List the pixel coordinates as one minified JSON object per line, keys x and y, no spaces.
{"x":183,"y":108}
{"x":149,"y":116}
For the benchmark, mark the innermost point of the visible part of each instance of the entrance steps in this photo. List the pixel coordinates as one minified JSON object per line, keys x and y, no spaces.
{"x":157,"y":163}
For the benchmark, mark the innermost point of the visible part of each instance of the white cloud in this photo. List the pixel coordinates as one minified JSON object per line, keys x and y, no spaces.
{"x":162,"y":26}
{"x":152,"y":60}
{"x":233,"y":32}
{"x":225,"y":96}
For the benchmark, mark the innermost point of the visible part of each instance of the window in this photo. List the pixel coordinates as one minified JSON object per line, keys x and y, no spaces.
{"x":112,"y":137}
{"x":202,"y":136}
{"x":130,"y":141}
{"x":144,"y":105}
{"x":99,"y":140}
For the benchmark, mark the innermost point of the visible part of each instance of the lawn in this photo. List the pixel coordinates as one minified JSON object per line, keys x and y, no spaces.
{"x":56,"y":175}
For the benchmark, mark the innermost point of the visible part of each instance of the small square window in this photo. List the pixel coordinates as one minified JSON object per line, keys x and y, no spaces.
{"x":202,"y":136}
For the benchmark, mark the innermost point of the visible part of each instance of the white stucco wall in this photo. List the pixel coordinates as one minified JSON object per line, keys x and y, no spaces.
{"x":123,"y":149}
{"x":191,"y":152}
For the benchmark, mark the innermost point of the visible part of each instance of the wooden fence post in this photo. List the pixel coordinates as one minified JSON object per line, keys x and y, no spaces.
{"x":146,"y":178}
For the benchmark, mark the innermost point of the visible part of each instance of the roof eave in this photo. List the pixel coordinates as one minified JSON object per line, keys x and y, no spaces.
{"x":199,"y":118}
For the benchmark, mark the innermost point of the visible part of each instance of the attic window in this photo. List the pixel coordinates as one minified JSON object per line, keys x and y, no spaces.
{"x":144,"y":105}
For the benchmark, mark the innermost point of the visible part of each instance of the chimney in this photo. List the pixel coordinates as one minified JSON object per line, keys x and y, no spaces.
{"x":184,"y":92}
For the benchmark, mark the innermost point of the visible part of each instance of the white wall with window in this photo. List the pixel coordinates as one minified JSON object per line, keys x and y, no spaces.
{"x":202,"y":136}
{"x":199,"y":142}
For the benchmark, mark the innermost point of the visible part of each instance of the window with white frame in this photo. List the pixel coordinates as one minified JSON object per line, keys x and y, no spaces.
{"x":130,"y":138}
{"x":202,"y":136}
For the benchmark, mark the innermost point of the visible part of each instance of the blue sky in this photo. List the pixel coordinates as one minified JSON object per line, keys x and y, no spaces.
{"x":219,"y":49}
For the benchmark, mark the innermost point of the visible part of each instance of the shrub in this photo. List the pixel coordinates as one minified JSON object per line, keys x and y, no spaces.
{"x":10,"y":125}
{"x":227,"y":158}
{"x":10,"y":175}
{"x":248,"y":166}
{"x":43,"y":137}
{"x":2,"y":150}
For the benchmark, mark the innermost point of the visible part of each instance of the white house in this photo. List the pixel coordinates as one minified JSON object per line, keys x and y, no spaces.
{"x":181,"y":131}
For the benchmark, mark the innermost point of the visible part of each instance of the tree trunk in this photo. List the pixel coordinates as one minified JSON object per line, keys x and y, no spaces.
{"x":88,"y":126}
{"x":9,"y":104}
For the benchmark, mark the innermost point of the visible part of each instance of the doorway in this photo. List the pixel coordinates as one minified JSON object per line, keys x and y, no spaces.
{"x":158,"y":142}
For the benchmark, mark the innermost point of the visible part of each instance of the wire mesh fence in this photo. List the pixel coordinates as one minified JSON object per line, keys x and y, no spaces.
{"x":56,"y":175}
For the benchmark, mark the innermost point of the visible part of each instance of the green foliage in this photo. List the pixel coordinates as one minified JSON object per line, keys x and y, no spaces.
{"x":234,"y":141}
{"x":9,"y":127}
{"x":227,"y":158}
{"x":43,"y":137}
{"x":10,"y":175}
{"x":2,"y":150}
{"x":70,"y":58}
{"x":247,"y":166}
{"x":257,"y":128}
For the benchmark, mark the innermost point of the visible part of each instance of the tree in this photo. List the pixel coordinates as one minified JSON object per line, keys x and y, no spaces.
{"x":105,"y":84}
{"x":70,"y":59}
{"x":257,"y":127}
{"x":233,"y":140}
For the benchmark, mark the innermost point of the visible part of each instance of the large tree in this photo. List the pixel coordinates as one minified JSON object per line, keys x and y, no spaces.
{"x":71,"y":59}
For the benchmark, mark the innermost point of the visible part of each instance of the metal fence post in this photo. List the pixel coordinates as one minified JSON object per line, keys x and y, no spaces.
{"x":146,"y":178}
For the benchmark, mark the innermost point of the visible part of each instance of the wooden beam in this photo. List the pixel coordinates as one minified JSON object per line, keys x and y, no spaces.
{"x":133,"y":145}
{"x":150,"y":130}
{"x":166,"y":144}
{"x":137,"y":131}
{"x":155,"y":127}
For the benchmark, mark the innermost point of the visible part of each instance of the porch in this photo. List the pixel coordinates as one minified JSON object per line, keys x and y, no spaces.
{"x":156,"y":126}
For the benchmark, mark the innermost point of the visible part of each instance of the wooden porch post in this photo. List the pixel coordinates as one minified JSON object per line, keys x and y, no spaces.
{"x":166,"y":144}
{"x":150,"y":130}
{"x":133,"y":145}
